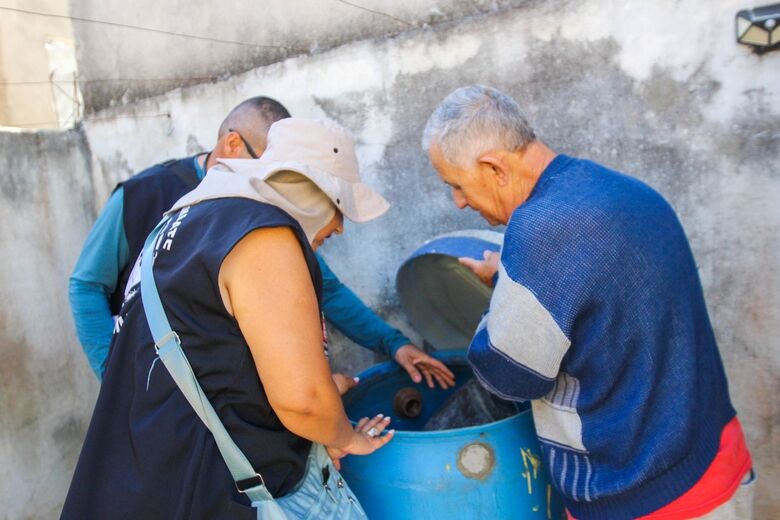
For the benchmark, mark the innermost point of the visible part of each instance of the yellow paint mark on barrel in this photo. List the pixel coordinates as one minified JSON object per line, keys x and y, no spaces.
{"x":527,"y":472}
{"x":549,"y":496}
{"x":447,"y":467}
{"x":534,"y":460}
{"x":531,"y":463}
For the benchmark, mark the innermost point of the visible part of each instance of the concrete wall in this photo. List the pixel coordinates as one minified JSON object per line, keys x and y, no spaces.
{"x":152,"y":62}
{"x":37,"y":65}
{"x":46,"y":391}
{"x":656,"y":89}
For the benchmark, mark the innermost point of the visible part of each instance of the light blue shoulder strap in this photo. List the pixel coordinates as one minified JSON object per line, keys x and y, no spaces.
{"x":168,"y":347}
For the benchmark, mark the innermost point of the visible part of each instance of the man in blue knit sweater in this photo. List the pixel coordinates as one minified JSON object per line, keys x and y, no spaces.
{"x":598,"y":317}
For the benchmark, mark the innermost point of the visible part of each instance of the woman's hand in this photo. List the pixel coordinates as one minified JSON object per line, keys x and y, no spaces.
{"x":367,"y":439}
{"x":344,"y":383}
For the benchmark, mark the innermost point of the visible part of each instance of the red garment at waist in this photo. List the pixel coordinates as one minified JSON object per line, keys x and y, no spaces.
{"x":718,"y":483}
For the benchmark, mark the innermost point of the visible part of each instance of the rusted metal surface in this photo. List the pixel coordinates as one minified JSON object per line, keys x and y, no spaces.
{"x":407,"y":402}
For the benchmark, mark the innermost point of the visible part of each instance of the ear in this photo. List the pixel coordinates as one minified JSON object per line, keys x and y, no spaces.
{"x":232,"y":145}
{"x":494,"y":164}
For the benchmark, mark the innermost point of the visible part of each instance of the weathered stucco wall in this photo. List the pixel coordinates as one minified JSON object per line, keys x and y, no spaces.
{"x":46,"y":391}
{"x":212,"y":39}
{"x":656,"y":89}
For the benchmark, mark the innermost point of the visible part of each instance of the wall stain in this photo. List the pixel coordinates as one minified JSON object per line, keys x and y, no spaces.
{"x":193,"y":146}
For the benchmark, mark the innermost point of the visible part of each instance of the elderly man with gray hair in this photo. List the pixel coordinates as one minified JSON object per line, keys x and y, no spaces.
{"x":598,"y":317}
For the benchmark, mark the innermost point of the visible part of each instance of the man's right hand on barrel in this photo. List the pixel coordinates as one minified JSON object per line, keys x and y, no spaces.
{"x":486,"y":268}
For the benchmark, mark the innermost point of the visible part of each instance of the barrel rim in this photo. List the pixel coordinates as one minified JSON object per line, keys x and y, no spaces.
{"x":448,"y":357}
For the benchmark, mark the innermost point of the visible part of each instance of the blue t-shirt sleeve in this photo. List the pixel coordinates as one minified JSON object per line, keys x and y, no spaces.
{"x":354,"y":319}
{"x":103,"y":257}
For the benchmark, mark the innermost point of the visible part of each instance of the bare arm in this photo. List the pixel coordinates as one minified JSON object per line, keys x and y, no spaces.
{"x":266,"y":286}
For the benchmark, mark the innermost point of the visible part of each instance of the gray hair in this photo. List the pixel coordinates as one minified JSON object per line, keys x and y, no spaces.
{"x":474,"y":119}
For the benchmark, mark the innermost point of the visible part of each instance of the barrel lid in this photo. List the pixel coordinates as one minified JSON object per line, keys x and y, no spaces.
{"x":443,"y":299}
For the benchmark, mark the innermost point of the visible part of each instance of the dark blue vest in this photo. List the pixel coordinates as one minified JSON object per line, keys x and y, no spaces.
{"x":147,"y":195}
{"x":146,"y":454}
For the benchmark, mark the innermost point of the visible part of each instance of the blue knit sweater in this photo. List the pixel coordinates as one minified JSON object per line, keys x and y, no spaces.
{"x":598,"y":316}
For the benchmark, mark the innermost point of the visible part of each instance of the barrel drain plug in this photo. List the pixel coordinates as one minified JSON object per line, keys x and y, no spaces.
{"x":407,"y":403}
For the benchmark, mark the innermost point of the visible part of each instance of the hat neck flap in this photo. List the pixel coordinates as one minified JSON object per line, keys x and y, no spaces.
{"x":293,"y":193}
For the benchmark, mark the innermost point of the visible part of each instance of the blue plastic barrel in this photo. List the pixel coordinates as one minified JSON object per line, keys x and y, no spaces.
{"x":488,"y":472}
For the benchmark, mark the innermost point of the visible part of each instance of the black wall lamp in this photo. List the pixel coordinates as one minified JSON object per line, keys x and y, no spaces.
{"x":759,"y":27}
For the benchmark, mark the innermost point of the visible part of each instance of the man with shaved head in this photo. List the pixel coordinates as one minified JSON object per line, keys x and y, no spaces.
{"x":99,"y":280}
{"x":97,"y":284}
{"x":253,"y":118}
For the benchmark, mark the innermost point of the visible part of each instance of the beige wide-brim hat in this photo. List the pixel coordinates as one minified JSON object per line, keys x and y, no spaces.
{"x":325,"y":154}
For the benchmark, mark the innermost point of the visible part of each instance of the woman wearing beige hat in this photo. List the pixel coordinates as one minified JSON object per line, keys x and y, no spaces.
{"x":218,"y":401}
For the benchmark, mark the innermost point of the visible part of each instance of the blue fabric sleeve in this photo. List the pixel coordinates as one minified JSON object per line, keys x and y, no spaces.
{"x":505,"y":378}
{"x":103,"y":257}
{"x":201,"y":170}
{"x":354,"y":319}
